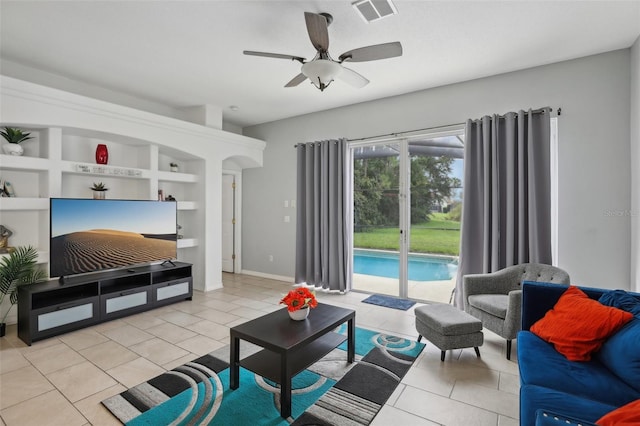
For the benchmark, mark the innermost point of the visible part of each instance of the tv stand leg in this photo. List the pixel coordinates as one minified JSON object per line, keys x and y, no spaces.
{"x":167,"y":261}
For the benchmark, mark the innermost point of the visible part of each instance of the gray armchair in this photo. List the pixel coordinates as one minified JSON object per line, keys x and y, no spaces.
{"x":496,"y":298}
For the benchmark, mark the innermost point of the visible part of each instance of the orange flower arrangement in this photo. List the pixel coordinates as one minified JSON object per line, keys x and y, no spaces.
{"x":299,"y":298}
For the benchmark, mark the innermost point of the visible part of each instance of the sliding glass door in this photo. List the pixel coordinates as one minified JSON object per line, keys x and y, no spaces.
{"x":435,"y":209}
{"x":376,"y":210}
{"x":406,"y":209}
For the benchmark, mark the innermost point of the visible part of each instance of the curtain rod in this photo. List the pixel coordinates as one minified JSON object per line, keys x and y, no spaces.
{"x":535,"y":111}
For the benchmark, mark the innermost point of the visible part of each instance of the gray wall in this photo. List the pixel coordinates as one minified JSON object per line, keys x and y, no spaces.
{"x":635,"y":169}
{"x":594,"y":151}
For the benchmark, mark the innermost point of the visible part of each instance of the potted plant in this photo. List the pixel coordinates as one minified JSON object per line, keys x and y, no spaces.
{"x":16,"y":269}
{"x":14,"y":137}
{"x":99,"y":191}
{"x":299,"y":301}
{"x":174,"y":167}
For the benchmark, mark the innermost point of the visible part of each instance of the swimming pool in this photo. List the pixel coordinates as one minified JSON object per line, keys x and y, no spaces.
{"x":421,"y":267}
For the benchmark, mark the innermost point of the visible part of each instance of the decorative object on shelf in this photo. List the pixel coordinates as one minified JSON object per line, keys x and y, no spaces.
{"x":299,"y":301}
{"x":3,"y":189}
{"x":14,"y":137}
{"x":102,"y":154}
{"x":5,"y":233}
{"x":174,"y":167}
{"x":19,"y":268}
{"x":116,"y":171}
{"x":7,"y":189}
{"x":169,"y":198}
{"x":99,"y":191}
{"x":160,"y":195}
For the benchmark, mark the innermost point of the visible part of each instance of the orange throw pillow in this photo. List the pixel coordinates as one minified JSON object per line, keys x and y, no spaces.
{"x":578,"y":325}
{"x":627,"y":415}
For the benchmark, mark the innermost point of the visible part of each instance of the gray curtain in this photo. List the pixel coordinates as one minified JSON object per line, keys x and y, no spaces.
{"x":506,"y":212}
{"x":322,"y":225}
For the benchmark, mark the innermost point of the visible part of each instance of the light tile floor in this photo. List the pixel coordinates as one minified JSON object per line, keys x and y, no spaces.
{"x":61,"y":380}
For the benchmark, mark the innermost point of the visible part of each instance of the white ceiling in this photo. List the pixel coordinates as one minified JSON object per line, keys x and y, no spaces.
{"x":189,"y":53}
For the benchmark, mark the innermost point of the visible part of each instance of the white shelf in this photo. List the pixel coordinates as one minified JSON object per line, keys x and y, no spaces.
{"x":75,"y":167}
{"x":177,"y":177}
{"x":187,"y":205}
{"x":14,"y":162}
{"x":24,"y":203}
{"x":187,"y":242}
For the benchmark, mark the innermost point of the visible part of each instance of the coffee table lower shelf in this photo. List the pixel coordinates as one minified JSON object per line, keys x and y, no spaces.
{"x":267,"y":363}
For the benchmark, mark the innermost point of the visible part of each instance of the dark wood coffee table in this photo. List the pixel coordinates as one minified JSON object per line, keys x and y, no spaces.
{"x":289,"y":346}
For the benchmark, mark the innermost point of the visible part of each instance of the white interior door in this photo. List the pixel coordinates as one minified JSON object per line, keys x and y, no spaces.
{"x":228,"y":222}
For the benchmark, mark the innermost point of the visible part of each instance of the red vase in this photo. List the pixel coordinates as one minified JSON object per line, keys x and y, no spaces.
{"x":102,"y":154}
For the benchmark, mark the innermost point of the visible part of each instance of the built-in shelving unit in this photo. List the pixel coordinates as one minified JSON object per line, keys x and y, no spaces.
{"x":60,"y":162}
{"x":57,"y":163}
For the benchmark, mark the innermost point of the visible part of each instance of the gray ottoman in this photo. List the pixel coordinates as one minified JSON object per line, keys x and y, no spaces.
{"x":447,"y":327}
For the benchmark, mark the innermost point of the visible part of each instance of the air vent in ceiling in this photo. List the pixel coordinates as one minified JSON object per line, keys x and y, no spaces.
{"x":373,"y":10}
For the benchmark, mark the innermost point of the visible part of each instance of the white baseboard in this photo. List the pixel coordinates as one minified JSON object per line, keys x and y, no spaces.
{"x":270,"y":276}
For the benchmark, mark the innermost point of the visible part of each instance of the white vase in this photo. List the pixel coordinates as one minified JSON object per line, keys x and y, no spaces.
{"x":300,"y":314}
{"x":12,"y":149}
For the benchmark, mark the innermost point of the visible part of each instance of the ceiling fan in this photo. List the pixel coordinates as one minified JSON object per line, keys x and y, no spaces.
{"x":322,"y":69}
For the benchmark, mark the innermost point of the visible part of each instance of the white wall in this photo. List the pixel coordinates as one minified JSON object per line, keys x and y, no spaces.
{"x":56,"y":81}
{"x":594,"y":176}
{"x":635,"y":170}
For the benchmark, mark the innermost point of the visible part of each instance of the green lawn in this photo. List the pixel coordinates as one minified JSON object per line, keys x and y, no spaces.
{"x":439,"y":235}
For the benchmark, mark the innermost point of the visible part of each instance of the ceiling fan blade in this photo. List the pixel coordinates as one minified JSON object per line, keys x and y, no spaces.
{"x":274,"y":55}
{"x":351,"y":77}
{"x":373,"y":53}
{"x":317,"y":29}
{"x":296,"y":80}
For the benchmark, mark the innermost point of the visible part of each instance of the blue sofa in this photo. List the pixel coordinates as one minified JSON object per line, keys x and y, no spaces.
{"x":577,"y":390}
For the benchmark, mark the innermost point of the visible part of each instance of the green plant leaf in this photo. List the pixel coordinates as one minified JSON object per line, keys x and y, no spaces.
{"x":16,"y":269}
{"x":15,"y":135}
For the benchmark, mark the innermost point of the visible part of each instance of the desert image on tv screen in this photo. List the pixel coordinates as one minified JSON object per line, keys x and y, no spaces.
{"x":90,"y":235}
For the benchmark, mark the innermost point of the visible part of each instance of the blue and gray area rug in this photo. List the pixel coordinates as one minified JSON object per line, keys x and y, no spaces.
{"x":330,"y":392}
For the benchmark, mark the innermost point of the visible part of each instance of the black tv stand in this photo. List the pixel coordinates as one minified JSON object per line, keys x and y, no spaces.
{"x":59,"y":306}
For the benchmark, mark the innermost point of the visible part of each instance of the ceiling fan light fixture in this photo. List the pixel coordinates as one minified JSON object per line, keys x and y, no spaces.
{"x":321,"y":72}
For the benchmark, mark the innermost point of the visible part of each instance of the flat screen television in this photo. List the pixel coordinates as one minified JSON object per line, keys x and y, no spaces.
{"x":89,"y":235}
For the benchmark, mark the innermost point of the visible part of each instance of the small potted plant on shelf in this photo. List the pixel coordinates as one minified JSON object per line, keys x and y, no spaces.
{"x":15,"y":137}
{"x":299,"y":301}
{"x":16,"y":269}
{"x":174,"y":167}
{"x":99,"y":191}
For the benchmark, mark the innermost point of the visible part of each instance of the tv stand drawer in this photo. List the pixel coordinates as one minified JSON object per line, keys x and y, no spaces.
{"x":171,"y":291}
{"x":115,"y":305}
{"x":62,"y":316}
{"x":57,"y":319}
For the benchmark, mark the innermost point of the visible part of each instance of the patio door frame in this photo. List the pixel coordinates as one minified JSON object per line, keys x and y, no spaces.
{"x":404,"y":193}
{"x":404,"y":203}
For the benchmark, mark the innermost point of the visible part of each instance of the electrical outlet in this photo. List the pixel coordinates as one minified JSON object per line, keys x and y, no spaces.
{"x":293,"y":204}
{"x":286,"y":203}
{"x":287,"y":219}
{"x":270,"y":258}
